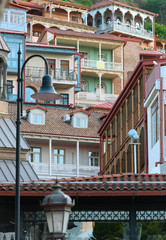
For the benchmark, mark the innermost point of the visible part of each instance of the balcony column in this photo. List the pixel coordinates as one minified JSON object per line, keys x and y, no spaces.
{"x":78,"y":57}
{"x":50,"y":156}
{"x":123,"y":20}
{"x":68,"y":15}
{"x":163,"y":47}
{"x":78,"y":159}
{"x":1,"y":82}
{"x":85,"y":18}
{"x":31,"y":31}
{"x":99,"y":51}
{"x":133,"y":23}
{"x":100,"y":75}
{"x":4,"y":92}
{"x":78,"y":45}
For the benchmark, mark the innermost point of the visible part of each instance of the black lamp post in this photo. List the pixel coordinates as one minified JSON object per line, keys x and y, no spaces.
{"x":47,"y":93}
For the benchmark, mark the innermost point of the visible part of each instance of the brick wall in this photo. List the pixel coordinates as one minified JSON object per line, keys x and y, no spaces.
{"x":10,"y":154}
{"x":131,"y":58}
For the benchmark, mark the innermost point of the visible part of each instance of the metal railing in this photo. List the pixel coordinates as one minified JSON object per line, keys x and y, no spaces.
{"x":125,"y":28}
{"x":58,"y":74}
{"x":65,"y":170}
{"x":101,"y":65}
{"x":91,"y":96}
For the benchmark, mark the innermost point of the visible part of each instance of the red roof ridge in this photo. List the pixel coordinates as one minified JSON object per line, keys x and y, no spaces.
{"x":37,"y":106}
{"x":80,"y":110}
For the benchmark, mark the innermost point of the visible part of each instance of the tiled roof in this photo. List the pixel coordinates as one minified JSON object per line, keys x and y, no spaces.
{"x":82,"y":34}
{"x":30,"y":5}
{"x":36,"y":44}
{"x":128,"y":184}
{"x":37,"y":106}
{"x":106,"y":105}
{"x":71,"y":24}
{"x":109,"y":2}
{"x":3,"y":45}
{"x":80,"y":110}
{"x":152,"y":53}
{"x":54,"y":124}
{"x":69,"y":4}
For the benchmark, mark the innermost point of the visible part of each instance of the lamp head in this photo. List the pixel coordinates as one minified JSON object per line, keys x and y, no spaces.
{"x":133,"y":134}
{"x":47,"y":91}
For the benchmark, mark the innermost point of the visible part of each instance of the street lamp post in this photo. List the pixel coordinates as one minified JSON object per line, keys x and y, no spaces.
{"x":57,"y":207}
{"x":47,"y":93}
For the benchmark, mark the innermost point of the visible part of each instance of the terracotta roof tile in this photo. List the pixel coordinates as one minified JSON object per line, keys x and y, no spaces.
{"x":54,"y":124}
{"x":152,"y":53}
{"x":109,"y":2}
{"x":81,"y":34}
{"x":44,"y":19}
{"x":30,"y":5}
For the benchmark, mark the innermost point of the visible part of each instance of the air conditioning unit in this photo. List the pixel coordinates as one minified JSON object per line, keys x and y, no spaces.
{"x":66,"y":118}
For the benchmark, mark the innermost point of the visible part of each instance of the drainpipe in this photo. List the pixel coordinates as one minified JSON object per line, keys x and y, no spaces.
{"x":161,"y":122}
{"x":100,"y":156}
{"x":113,"y":19}
{"x":145,"y":125}
{"x":24,"y":85}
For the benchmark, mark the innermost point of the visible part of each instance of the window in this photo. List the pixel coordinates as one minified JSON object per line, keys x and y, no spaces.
{"x":103,"y":57}
{"x":94,"y":159}
{"x":136,"y":96}
{"x":155,"y":123}
{"x":9,"y":88}
{"x":35,"y":155}
{"x":37,"y":119}
{"x":80,"y":122}
{"x":59,"y":156}
{"x":65,"y":99}
{"x":74,"y":19}
{"x":85,"y":59}
{"x":84,"y":85}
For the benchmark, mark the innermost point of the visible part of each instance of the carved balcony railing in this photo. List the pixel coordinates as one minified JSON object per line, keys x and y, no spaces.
{"x":58,"y":74}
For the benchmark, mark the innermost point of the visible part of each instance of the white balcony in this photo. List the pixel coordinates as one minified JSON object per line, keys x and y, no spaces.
{"x":126,"y":29}
{"x":90,"y":96}
{"x":46,"y":171}
{"x":101,"y":65}
{"x":59,"y":76}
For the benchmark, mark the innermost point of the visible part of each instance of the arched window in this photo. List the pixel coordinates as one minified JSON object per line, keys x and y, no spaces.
{"x":28,"y":92}
{"x":103,"y":88}
{"x":84,"y":85}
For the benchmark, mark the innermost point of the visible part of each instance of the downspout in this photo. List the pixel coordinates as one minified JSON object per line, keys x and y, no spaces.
{"x":100,"y":156}
{"x":24,"y":61}
{"x":113,"y":19}
{"x":161,"y":122}
{"x":123,"y":62}
{"x":145,"y":125}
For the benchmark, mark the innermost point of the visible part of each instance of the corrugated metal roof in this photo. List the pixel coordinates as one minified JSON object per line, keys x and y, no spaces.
{"x":8,"y":171}
{"x":3,"y":45}
{"x":8,"y":134}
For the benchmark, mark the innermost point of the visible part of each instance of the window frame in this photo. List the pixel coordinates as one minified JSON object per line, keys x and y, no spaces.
{"x":155,"y":129}
{"x":33,"y":154}
{"x":58,"y":156}
{"x":92,"y":159}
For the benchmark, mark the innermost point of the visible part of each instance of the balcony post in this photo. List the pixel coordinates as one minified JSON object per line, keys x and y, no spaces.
{"x":50,"y":156}
{"x":31,"y":31}
{"x":78,"y":160}
{"x":68,"y":15}
{"x":100,"y":75}
{"x":78,"y":45}
{"x":99,"y":51}
{"x":4,"y":96}
{"x":85,"y":18}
